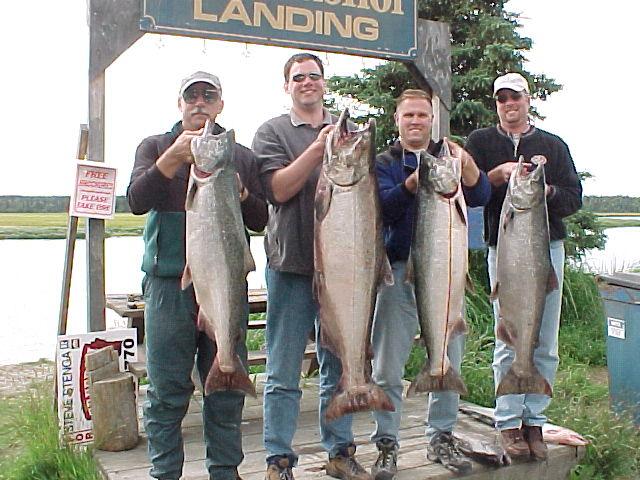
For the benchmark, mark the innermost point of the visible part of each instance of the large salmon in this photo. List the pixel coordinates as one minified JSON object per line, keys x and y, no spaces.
{"x":438,"y":266}
{"x":350,"y":263}
{"x":524,"y":275}
{"x":218,"y":256}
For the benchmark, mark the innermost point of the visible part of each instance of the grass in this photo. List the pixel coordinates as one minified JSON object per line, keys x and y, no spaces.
{"x":54,"y":225}
{"x":30,"y":448}
{"x":581,"y":396}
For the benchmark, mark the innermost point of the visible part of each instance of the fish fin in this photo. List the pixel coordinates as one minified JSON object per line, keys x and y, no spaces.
{"x":186,"y":277}
{"x":409,"y":275}
{"x":317,"y":285}
{"x":505,"y":333}
{"x":237,"y":380}
{"x":461,"y":212}
{"x":425,"y":382}
{"x":494,"y":292}
{"x":552,"y":281}
{"x":323,"y":198}
{"x":202,"y":323}
{"x":358,"y":399}
{"x":508,"y":216}
{"x":469,"y":285}
{"x":191,"y":193}
{"x":512,"y":383}
{"x":249,"y":263}
{"x":386,"y":273}
{"x":458,"y":327}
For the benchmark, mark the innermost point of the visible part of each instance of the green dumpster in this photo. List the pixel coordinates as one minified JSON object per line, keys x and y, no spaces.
{"x":621,"y":296}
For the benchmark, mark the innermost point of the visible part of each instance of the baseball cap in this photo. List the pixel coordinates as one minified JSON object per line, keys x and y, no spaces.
{"x":200,"y":77}
{"x":512,"y":81}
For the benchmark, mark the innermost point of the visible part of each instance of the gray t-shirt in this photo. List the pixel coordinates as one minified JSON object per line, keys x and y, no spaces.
{"x":289,"y":238}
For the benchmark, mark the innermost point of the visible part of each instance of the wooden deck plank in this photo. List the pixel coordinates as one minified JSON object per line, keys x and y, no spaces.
{"x":412,"y":461}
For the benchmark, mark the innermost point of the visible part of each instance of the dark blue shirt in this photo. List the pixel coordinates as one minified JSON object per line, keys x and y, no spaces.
{"x":398,"y":204}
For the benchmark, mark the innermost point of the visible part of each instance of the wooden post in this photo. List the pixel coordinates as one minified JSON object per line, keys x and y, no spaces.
{"x":113,"y":402}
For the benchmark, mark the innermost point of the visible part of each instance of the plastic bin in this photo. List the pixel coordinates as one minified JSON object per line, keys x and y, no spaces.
{"x":621,"y":295}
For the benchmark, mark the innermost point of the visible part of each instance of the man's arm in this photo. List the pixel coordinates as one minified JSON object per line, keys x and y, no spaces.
{"x":288,"y":181}
{"x":564,"y":195}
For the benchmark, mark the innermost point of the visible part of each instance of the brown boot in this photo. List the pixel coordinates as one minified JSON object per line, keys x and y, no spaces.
{"x":514,"y":443}
{"x":533,"y":436}
{"x":346,"y":467}
{"x":279,"y":469}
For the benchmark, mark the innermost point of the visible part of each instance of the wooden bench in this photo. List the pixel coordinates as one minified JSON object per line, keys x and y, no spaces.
{"x":131,"y":307}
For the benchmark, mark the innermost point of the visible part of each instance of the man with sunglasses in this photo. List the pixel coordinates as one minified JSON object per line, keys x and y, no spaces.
{"x":158,"y":188}
{"x":290,"y":149}
{"x":520,"y":418}
{"x":395,"y":319}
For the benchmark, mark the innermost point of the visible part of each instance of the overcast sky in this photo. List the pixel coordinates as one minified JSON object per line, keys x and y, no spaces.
{"x":44,"y":82}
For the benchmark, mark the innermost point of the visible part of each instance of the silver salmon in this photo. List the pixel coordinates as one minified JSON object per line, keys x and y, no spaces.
{"x":524,"y":275}
{"x":438,"y":266}
{"x":350,"y":263}
{"x":218,"y":256}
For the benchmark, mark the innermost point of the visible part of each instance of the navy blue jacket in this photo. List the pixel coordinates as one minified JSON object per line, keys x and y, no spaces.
{"x":393,"y":166}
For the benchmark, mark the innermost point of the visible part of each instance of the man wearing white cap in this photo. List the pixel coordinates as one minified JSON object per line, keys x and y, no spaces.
{"x":173,"y":343}
{"x":520,"y":418}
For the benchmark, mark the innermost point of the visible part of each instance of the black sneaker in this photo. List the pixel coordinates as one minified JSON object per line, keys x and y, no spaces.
{"x":443,"y":448}
{"x":279,"y":469}
{"x":386,"y":465}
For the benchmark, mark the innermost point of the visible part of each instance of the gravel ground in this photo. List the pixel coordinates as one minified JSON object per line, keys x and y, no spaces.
{"x":16,"y":379}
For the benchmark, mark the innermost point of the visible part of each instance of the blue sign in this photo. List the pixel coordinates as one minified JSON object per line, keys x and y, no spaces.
{"x":372,"y":28}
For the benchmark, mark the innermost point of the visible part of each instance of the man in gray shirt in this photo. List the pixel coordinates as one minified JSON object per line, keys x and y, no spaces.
{"x":290,"y":149}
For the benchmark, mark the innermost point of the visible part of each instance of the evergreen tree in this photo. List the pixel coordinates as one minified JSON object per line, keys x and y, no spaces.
{"x":484,"y":44}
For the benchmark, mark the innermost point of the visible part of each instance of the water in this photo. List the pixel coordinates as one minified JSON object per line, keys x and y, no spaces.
{"x":31,"y":284}
{"x":32,"y":277}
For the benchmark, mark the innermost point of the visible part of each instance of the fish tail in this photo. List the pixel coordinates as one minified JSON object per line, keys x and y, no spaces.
{"x":358,"y":399}
{"x":425,"y":382}
{"x":238,"y":380}
{"x":512,"y":383}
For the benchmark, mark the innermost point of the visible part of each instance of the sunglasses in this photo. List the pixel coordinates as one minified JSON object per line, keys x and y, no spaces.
{"x":313,"y":76}
{"x":504,"y":97}
{"x":191,"y":95}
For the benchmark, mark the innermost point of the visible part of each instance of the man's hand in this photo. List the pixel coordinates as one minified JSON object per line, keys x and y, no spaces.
{"x":470,"y":171}
{"x":178,"y":153}
{"x":501,"y":174}
{"x":411,"y":183}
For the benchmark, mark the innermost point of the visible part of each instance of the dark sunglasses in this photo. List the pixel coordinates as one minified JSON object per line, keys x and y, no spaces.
{"x":313,"y":76}
{"x":191,"y":95}
{"x":503,"y":97}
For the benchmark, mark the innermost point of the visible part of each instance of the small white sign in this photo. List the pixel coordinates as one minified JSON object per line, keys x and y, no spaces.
{"x":615,"y":327}
{"x":74,"y":401}
{"x":94,"y":194}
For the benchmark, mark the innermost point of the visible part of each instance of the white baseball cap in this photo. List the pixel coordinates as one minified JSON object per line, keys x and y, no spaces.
{"x":512,"y":81}
{"x":200,"y":77}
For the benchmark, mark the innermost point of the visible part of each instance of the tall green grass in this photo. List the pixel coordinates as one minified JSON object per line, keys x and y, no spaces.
{"x":580,"y":402}
{"x":30,"y":448}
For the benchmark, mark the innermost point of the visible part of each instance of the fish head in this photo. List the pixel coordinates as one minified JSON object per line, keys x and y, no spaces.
{"x":527,"y":184}
{"x":349,"y":153}
{"x":211,"y":152}
{"x":440,"y":174}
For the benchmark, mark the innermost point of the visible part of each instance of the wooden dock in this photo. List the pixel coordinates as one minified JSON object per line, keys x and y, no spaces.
{"x":412,"y":461}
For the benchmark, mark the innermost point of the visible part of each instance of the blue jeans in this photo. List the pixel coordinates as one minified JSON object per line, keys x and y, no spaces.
{"x":512,"y":410}
{"x":291,"y":319}
{"x":173,"y":343}
{"x":395,"y":324}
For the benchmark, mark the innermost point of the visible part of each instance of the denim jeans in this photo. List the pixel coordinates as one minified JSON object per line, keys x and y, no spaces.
{"x":512,"y":410}
{"x":395,"y":324}
{"x":173,"y":343}
{"x":291,"y":319}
